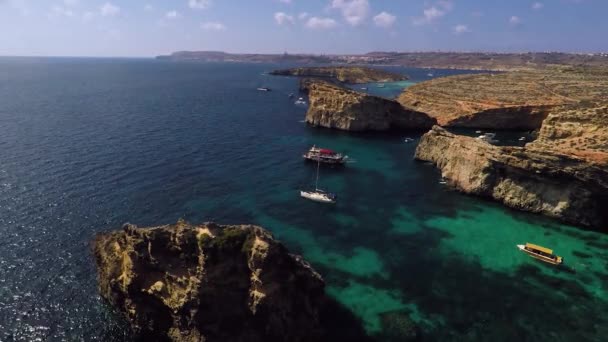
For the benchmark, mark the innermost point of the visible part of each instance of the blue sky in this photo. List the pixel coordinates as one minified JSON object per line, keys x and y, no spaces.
{"x":152,"y":27}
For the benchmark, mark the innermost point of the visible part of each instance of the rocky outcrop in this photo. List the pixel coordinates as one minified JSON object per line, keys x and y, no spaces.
{"x":344,"y":74}
{"x":514,"y":100}
{"x":540,"y":181}
{"x":209,"y":282}
{"x":333,"y":106}
{"x":580,"y":130}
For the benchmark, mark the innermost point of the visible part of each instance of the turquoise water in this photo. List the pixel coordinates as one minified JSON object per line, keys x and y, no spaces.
{"x":90,"y":144}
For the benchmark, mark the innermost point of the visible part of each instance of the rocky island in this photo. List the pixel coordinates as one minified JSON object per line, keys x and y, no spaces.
{"x":209,"y":282}
{"x":513,"y":100}
{"x":333,"y":106}
{"x":343,"y":74}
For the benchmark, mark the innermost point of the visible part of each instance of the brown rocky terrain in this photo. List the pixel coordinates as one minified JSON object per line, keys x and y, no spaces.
{"x":343,"y":74}
{"x":538,"y":180}
{"x":579,"y":130}
{"x":209,"y":282}
{"x":333,"y":106}
{"x":514,"y":100}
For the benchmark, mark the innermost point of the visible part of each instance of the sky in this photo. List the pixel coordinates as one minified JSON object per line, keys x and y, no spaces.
{"x":143,"y":28}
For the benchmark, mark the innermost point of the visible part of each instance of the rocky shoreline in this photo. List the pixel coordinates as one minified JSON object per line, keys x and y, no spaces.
{"x":560,"y":186}
{"x":561,"y":174}
{"x":333,"y":106}
{"x":343,"y":74}
{"x":209,"y":282}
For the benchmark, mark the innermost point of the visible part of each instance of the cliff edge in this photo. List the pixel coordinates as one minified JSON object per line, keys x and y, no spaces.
{"x":208,"y":282}
{"x":333,"y":106}
{"x":513,"y":100}
{"x":536,"y":180}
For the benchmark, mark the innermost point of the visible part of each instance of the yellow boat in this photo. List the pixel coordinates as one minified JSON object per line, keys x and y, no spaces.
{"x":541,"y":253}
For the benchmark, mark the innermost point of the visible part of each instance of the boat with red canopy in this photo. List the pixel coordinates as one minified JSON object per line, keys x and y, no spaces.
{"x":324,"y":155}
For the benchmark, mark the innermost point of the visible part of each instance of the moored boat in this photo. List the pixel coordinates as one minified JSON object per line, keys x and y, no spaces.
{"x":318,"y":196}
{"x":263,"y":89}
{"x":324,"y":155}
{"x":541,"y":253}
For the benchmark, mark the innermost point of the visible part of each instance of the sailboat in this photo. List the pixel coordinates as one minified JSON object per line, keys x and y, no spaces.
{"x":319,"y":195}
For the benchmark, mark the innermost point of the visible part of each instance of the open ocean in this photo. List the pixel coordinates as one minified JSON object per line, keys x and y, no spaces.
{"x":89,"y":144}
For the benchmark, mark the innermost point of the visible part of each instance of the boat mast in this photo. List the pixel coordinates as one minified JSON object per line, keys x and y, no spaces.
{"x":317,"y":181}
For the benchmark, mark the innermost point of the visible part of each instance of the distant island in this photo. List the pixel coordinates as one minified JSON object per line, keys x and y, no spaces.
{"x":343,"y":74}
{"x":444,"y":60}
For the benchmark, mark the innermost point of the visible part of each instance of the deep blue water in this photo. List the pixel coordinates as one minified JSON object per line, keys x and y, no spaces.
{"x":88,"y":144}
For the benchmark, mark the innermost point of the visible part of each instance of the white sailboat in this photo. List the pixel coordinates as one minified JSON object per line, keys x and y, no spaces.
{"x":318,"y":195}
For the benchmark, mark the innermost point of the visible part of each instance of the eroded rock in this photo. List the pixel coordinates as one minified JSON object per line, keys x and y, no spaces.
{"x":209,"y":282}
{"x":333,"y":106}
{"x":540,"y":181}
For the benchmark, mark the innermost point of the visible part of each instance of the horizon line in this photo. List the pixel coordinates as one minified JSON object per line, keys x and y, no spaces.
{"x":312,"y":54}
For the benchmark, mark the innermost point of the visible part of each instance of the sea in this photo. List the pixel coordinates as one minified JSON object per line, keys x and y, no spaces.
{"x":89,"y":144}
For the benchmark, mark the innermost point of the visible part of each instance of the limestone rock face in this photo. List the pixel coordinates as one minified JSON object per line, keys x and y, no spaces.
{"x":568,"y":188}
{"x":344,"y":74}
{"x":333,"y":106}
{"x":514,"y":100}
{"x":580,"y":130}
{"x":208,"y":282}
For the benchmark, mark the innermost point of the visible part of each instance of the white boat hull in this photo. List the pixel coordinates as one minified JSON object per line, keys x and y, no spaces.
{"x":317,"y":197}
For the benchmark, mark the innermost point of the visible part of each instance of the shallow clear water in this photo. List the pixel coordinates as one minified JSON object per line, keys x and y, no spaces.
{"x":86,"y":145}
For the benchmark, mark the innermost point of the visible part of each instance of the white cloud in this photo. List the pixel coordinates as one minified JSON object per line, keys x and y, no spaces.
{"x":285,"y":1}
{"x":60,"y":11}
{"x":71,"y":2}
{"x":303,"y":15}
{"x":172,"y":14}
{"x":213,"y":26}
{"x":148,"y":7}
{"x":199,"y":4}
{"x":385,"y":19}
{"x":353,"y":11}
{"x":514,"y":20}
{"x":460,"y":29}
{"x":433,"y":13}
{"x":283,"y":18}
{"x":537,"y":5}
{"x":108,"y":9}
{"x":318,"y":23}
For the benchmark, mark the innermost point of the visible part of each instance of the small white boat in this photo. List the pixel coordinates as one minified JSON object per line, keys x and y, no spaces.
{"x":317,"y":194}
{"x":522,"y":139}
{"x":478,"y":132}
{"x":430,"y":74}
{"x":488,"y":137}
{"x":300,"y":101}
{"x":381,"y":85}
{"x":263,"y":89}
{"x":408,"y":140}
{"x":363,"y":88}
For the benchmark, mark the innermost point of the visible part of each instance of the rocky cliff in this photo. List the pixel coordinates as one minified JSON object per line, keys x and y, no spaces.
{"x":208,"y":282}
{"x":514,"y":100}
{"x":580,"y":130}
{"x":333,"y":106}
{"x":344,"y":74}
{"x":540,"y":181}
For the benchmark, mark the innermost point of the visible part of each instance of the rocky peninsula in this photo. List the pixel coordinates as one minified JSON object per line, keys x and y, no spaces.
{"x":343,"y":74}
{"x":538,"y":180}
{"x":333,"y":106}
{"x":209,"y":282}
{"x":513,"y":100}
